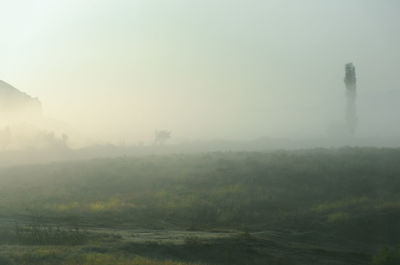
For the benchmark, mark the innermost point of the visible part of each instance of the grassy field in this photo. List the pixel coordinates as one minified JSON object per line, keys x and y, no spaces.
{"x":321,"y":206}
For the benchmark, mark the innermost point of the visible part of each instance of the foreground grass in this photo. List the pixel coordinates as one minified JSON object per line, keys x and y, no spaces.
{"x":345,"y":200}
{"x":209,"y":190}
{"x":14,"y":255}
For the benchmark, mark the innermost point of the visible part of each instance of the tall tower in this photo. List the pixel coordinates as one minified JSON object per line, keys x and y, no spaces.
{"x":351,"y":94}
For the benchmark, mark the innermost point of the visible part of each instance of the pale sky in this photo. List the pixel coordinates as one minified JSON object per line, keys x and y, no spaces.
{"x":236,"y":69}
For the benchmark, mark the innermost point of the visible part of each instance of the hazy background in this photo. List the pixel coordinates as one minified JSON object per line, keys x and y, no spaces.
{"x":235,"y":69}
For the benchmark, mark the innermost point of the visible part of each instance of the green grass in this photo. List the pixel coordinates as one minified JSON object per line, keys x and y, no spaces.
{"x":337,"y":197}
{"x":74,"y":256}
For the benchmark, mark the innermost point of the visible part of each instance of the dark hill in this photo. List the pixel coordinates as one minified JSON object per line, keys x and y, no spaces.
{"x":15,"y":102}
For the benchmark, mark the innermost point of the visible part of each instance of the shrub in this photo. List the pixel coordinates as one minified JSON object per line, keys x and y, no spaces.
{"x":387,"y":256}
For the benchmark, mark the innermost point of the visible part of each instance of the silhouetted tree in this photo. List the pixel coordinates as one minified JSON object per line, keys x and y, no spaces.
{"x":161,"y":136}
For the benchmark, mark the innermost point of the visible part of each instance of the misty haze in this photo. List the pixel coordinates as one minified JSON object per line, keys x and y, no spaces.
{"x":199,"y":132}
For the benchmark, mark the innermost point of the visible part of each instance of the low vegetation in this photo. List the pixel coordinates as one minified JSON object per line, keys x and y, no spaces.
{"x":339,"y":200}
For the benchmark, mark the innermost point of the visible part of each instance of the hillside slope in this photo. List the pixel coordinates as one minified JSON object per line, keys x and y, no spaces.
{"x":14,"y":103}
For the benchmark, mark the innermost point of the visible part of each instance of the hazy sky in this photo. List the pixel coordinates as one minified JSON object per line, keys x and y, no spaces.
{"x":119,"y":69}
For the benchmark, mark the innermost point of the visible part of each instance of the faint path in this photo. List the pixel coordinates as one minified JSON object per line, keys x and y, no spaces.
{"x":136,"y":235}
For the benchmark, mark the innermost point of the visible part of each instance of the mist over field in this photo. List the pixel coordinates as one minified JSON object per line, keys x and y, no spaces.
{"x":114,"y":72}
{"x":199,"y":132}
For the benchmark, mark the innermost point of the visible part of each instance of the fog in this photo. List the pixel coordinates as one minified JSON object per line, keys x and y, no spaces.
{"x":115,"y":71}
{"x":191,"y":132}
